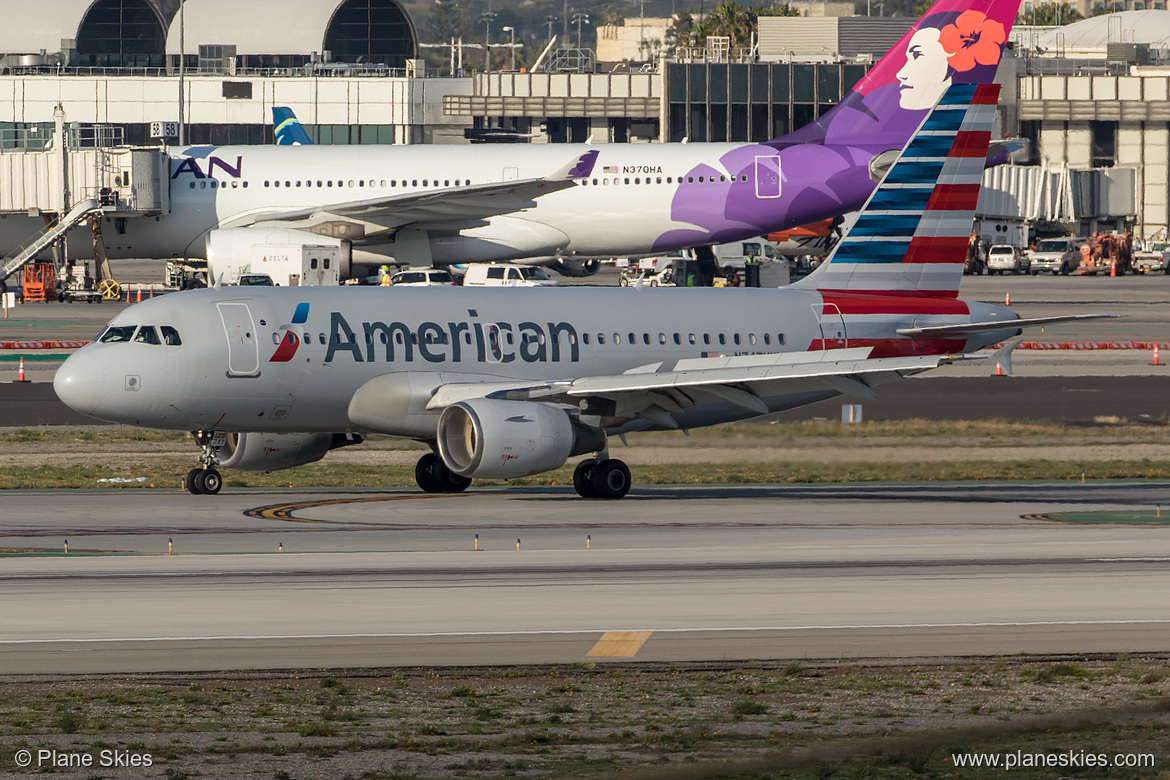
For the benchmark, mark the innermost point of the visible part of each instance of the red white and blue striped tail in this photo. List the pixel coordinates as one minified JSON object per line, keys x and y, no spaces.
{"x":912,"y":234}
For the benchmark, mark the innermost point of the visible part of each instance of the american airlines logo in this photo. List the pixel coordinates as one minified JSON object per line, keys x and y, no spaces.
{"x":191,"y":165}
{"x":294,"y":334}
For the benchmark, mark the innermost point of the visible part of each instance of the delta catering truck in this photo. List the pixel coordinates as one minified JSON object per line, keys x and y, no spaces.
{"x":288,"y":265}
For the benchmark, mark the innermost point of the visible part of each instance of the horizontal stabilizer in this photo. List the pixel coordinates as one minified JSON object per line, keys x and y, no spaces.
{"x":991,"y":327}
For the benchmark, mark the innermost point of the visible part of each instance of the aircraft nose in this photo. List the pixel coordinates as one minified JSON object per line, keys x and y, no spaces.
{"x":80,"y":382}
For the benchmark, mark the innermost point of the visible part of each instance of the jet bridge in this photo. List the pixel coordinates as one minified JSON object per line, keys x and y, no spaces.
{"x":69,"y":185}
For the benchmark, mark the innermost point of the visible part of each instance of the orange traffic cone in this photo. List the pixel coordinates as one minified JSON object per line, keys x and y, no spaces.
{"x":20,"y":371}
{"x":998,"y":369}
{"x":1113,"y":269}
{"x":152,"y":291}
{"x":1155,"y":362}
{"x":127,"y":293}
{"x":1007,"y":299}
{"x":139,"y":294}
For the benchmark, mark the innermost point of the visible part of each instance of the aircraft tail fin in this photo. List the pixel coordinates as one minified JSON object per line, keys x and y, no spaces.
{"x":912,"y":234}
{"x":954,"y":42}
{"x":287,"y":128}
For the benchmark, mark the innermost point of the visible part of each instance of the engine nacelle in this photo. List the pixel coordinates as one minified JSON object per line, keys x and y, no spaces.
{"x":489,"y":439}
{"x":276,"y":451}
{"x":230,"y":247}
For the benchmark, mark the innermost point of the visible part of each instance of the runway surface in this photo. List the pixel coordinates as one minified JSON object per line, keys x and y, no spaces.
{"x":670,"y":574}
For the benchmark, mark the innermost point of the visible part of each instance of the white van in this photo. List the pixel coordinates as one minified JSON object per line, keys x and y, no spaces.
{"x":506,"y":275}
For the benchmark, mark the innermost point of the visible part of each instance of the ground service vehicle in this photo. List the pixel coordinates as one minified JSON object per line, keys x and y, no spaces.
{"x":1002,"y":258}
{"x":422,"y":277}
{"x":1049,"y":254}
{"x":506,"y":275}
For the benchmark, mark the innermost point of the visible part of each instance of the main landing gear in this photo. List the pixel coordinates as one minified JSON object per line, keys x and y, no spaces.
{"x":433,"y":476}
{"x":601,"y":478}
{"x":205,"y":480}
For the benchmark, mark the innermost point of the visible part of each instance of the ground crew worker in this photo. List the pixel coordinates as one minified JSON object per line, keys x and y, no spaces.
{"x":385,"y":276}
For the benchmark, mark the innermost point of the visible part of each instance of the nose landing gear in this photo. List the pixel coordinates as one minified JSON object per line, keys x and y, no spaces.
{"x":205,"y":480}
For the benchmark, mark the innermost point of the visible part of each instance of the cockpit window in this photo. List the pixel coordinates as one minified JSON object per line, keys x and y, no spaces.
{"x":147,"y":335}
{"x":117,"y":333}
{"x":170,"y":336}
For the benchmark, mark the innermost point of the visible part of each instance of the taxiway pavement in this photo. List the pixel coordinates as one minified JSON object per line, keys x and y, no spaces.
{"x":667,"y":574}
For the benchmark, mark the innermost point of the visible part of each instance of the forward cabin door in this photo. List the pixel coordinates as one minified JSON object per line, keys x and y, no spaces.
{"x":768,"y":176}
{"x":243,"y":347}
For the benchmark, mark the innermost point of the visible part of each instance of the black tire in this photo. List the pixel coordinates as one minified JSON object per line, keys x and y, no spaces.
{"x":583,"y":478}
{"x":192,"y":481}
{"x":452,"y":482}
{"x":210,"y":482}
{"x":426,"y":475}
{"x":610,"y":479}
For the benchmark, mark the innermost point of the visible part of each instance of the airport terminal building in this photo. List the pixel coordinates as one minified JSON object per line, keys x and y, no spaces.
{"x":1090,"y":97}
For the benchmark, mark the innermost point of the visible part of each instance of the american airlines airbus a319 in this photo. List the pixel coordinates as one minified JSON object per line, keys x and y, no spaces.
{"x":508,"y":382}
{"x":564,"y":203}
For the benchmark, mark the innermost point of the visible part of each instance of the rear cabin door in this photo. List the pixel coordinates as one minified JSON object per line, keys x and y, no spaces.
{"x":768,"y":176}
{"x":833,"y":334}
{"x":243,"y":347}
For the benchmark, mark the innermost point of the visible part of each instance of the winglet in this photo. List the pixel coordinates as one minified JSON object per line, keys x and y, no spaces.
{"x":287,"y":130}
{"x":578,"y":168}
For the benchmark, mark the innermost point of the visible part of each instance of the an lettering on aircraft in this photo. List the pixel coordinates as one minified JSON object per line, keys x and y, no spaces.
{"x":454,"y":342}
{"x":641,"y":169}
{"x":191,"y":165}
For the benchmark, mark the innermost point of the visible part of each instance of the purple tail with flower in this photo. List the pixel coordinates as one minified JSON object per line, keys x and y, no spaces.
{"x":955,"y":42}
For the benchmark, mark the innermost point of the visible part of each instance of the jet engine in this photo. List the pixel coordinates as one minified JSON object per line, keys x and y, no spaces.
{"x":276,"y":451}
{"x":226,"y":246}
{"x":492,"y":439}
{"x":575,"y":268}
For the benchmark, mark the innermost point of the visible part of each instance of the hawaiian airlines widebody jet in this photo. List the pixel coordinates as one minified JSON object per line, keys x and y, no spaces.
{"x":507,"y":382}
{"x":427,"y":204}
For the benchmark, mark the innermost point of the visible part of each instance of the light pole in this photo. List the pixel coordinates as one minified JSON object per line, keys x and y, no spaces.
{"x":579,"y":19}
{"x":512,"y":45}
{"x":550,"y":20}
{"x":487,"y":18}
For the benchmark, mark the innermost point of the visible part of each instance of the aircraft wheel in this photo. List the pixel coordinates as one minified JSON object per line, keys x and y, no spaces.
{"x":192,"y":481}
{"x":210,"y":482}
{"x":452,"y":482}
{"x":583,"y":478}
{"x":610,"y":479}
{"x":425,"y":473}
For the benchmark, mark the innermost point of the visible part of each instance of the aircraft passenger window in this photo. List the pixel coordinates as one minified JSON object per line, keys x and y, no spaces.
{"x":202,"y":185}
{"x":595,"y":182}
{"x":677,"y":339}
{"x":275,"y":338}
{"x":690,"y":180}
{"x":767,"y":338}
{"x":751,"y":338}
{"x":329,"y":183}
{"x":298,"y":184}
{"x":510,"y":337}
{"x":288,"y":184}
{"x":192,"y":185}
{"x":636,"y":181}
{"x":361,"y":182}
{"x":245,"y":185}
{"x":414,"y":183}
{"x":585,"y":338}
{"x":736,"y":338}
{"x":170,"y":336}
{"x":779,"y":338}
{"x":382,"y":336}
{"x":658,"y":180}
{"x":321,"y":337}
{"x":617,"y":338}
{"x":600,"y":338}
{"x":722,"y":339}
{"x":627,"y":181}
{"x":383,"y":182}
{"x":722,"y":178}
{"x":669,"y":180}
{"x":214,"y":183}
{"x":701,"y":179}
{"x":319,"y":184}
{"x":266,"y":182}
{"x":446,"y":182}
{"x":743,"y":177}
{"x":661,"y":338}
{"x":351,"y":182}
{"x":691,"y":339}
{"x":707,"y":339}
{"x":394,"y":182}
{"x":117,"y":333}
{"x":147,"y":335}
{"x":604,"y":182}
{"x":235,"y":184}
{"x":633,"y":338}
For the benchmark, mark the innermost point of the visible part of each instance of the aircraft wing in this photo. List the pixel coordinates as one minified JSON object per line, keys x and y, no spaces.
{"x":992,"y":327}
{"x":467,"y":202}
{"x":654,"y":391}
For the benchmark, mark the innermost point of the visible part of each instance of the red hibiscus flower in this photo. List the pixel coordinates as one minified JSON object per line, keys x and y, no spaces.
{"x":972,"y":40}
